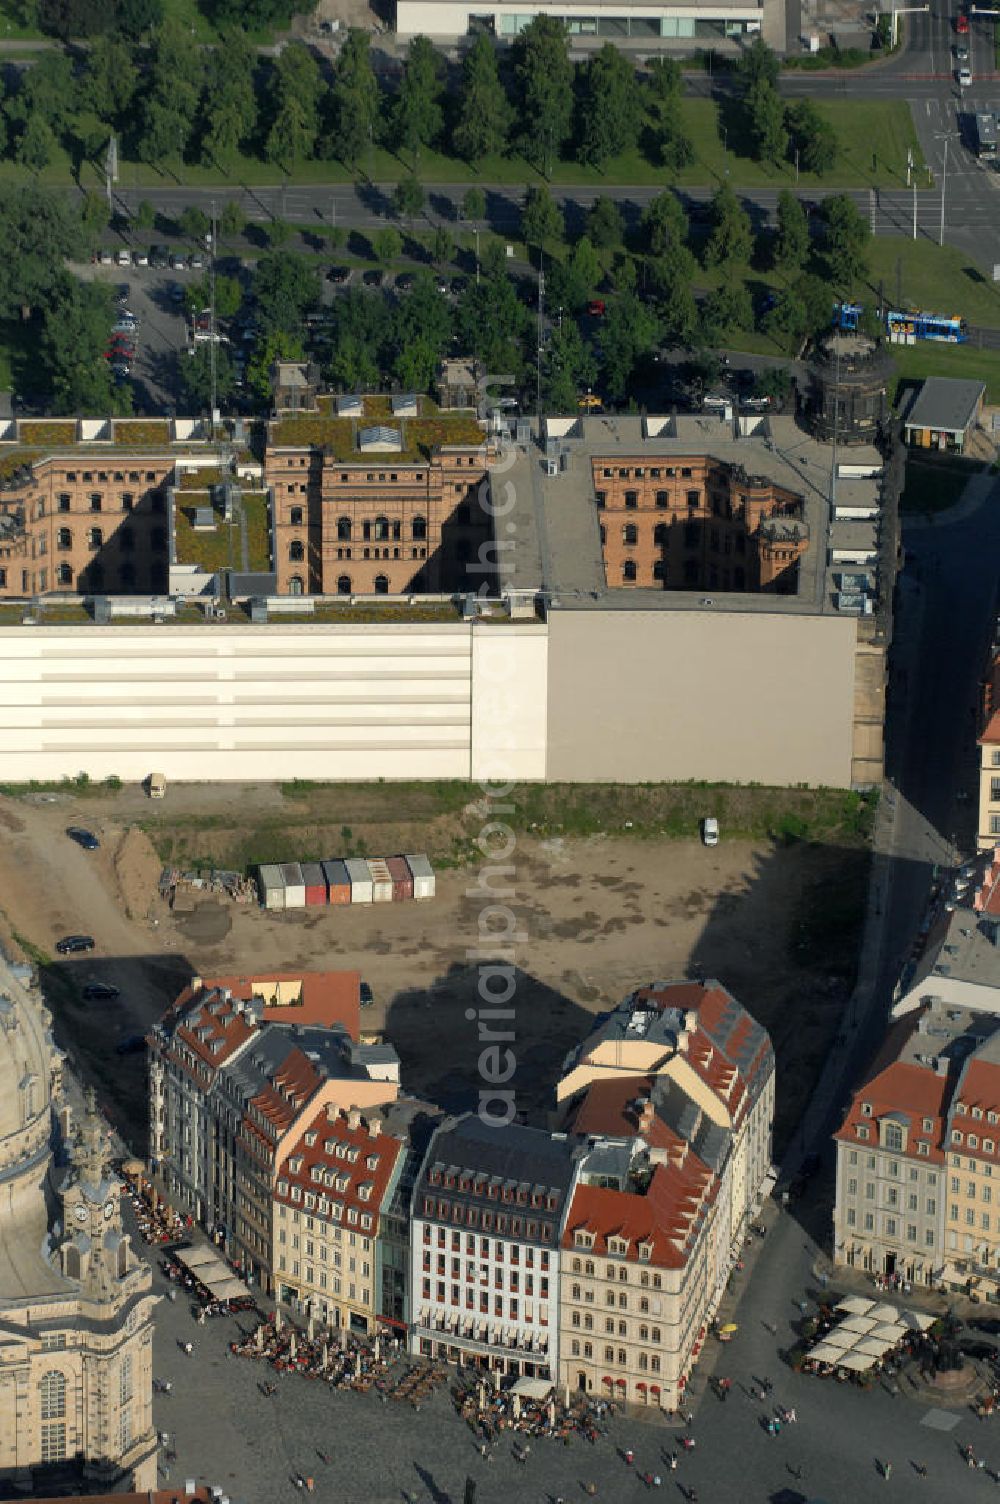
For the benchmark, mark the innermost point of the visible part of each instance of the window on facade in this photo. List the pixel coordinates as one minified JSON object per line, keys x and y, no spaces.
{"x":52,"y":1394}
{"x":54,"y":1442}
{"x":381,"y":584}
{"x":381,"y":529}
{"x":295,"y":516}
{"x":344,"y":584}
{"x":96,"y":501}
{"x":663,"y":499}
{"x":628,"y":570}
{"x":344,"y":529}
{"x":95,"y":537}
{"x":296,"y":585}
{"x":601,"y":497}
{"x":64,"y":538}
{"x":296,"y":552}
{"x":631,"y":499}
{"x":630,"y":534}
{"x":65,"y":574}
{"x":893,"y":1136}
{"x":418,"y":529}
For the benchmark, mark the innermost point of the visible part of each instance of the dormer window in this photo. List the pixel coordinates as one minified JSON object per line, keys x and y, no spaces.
{"x":862,"y":1131}
{"x":866,"y":1109}
{"x":960,"y":1107}
{"x":892,"y":1136}
{"x":295,"y":1164}
{"x":923,"y":1147}
{"x":987,"y":1146}
{"x":329,"y":1146}
{"x":645,"y":1251}
{"x":973,"y":1141}
{"x":372,"y":1162}
{"x":977,"y":1113}
{"x":310,"y":1140}
{"x":583,"y":1239}
{"x":956,"y":1137}
{"x":928,"y":1125}
{"x":282,"y":1187}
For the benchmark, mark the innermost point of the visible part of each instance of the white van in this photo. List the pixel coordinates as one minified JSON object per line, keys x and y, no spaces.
{"x":710,"y":831}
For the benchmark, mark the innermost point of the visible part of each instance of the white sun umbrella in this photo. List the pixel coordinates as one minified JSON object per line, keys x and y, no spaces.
{"x":916,"y":1321}
{"x":856,"y":1362}
{"x":824,"y":1353}
{"x":840,"y":1339}
{"x":890,"y":1331}
{"x":872,"y":1347}
{"x":858,"y":1324}
{"x":885,"y":1312}
{"x":855,"y":1305}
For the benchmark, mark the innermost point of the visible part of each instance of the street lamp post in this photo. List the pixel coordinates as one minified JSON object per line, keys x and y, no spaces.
{"x":476,"y":233}
{"x":944,"y":186}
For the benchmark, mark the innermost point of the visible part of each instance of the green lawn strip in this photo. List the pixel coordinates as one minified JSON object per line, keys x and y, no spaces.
{"x":936,"y":483}
{"x":938,"y":279}
{"x":914,"y":362}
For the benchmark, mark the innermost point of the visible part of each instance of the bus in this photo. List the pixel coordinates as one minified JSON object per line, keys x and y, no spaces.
{"x":846,"y":315}
{"x":986,"y":135}
{"x":907,"y":328}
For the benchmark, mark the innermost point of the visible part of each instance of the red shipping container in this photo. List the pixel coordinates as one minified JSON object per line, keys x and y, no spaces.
{"x":402,"y":878}
{"x":315,"y":883}
{"x":338,"y":882}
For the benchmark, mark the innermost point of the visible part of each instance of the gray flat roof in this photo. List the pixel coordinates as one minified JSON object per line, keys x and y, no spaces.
{"x":553,"y":526}
{"x":946,"y":404}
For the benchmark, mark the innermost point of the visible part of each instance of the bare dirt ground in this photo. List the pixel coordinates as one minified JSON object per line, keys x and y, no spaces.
{"x":598,"y":916}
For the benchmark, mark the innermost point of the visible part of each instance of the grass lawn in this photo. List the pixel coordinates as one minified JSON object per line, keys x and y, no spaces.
{"x":920,"y":274}
{"x":913,"y":362}
{"x":933,"y":485}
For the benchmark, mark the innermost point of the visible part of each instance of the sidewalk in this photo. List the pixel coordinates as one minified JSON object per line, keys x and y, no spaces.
{"x":976,"y":492}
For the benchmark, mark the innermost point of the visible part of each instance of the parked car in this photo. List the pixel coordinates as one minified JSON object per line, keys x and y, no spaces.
{"x":83,"y":837}
{"x":339,"y":275}
{"x":965,"y":77}
{"x":69,"y":945}
{"x":441,"y":283}
{"x":124,"y":257}
{"x":597,"y":308}
{"x":404,"y":281}
{"x":962,"y":24}
{"x":159,"y":256}
{"x":131,"y":1044}
{"x":121,"y":369}
{"x":710,"y":831}
{"x":140,"y":258}
{"x":196,"y":262}
{"x":100,"y":992}
{"x":107,"y":258}
{"x":961,"y":53}
{"x":177,"y":292}
{"x":458,"y":285}
{"x":373,"y":278}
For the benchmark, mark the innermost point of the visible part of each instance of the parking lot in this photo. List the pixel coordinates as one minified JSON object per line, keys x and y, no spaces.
{"x":161,"y":333}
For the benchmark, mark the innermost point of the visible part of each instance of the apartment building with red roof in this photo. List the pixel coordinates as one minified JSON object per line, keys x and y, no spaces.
{"x":673,"y":1095}
{"x":234,"y":1064}
{"x":988,"y":742}
{"x":335,"y":1183}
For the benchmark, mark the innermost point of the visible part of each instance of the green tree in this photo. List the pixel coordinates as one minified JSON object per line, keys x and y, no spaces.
{"x":631,"y":331}
{"x":811,"y":136}
{"x":474,"y":204}
{"x":541,"y":220}
{"x":75,"y":18}
{"x":757,"y":65}
{"x":408,"y":198}
{"x":418,"y":116}
{"x":728,"y":307}
{"x":664,"y":223}
{"x":285,"y":289}
{"x":442,"y":246}
{"x":484,"y":113}
{"x":274,"y":344}
{"x":610,"y":107}
{"x":846,"y":239}
{"x":229,"y":103}
{"x":605,"y":225}
{"x":228,"y":296}
{"x":194,"y":222}
{"x":387,"y":245}
{"x":46,"y":94}
{"x":491,"y":322}
{"x":36,"y":144}
{"x":110,"y":79}
{"x":295,"y":92}
{"x":137,"y":18}
{"x":279,"y":232}
{"x":194,"y":370}
{"x":170,"y":98}
{"x":766,"y":118}
{"x":543,"y":77}
{"x":664,"y":78}
{"x":360,"y":341}
{"x":234,"y":220}
{"x":788,"y":319}
{"x":664,"y":91}
{"x":145,"y":215}
{"x":731,"y":237}
{"x":791,"y":243}
{"x":356,"y":100}
{"x":76,"y":325}
{"x":671,"y":278}
{"x":422,"y":333}
{"x":814,"y":293}
{"x":570,"y":368}
{"x":95,"y":216}
{"x":775,"y":382}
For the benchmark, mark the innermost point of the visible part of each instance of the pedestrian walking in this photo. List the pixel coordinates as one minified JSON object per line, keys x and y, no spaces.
{"x":921,"y":1469}
{"x":887,"y":1471}
{"x":629,"y":1456}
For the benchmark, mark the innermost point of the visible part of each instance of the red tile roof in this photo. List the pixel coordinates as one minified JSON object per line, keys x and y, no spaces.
{"x":327,"y":998}
{"x":610,"y":1109}
{"x":382,"y":1148}
{"x":978,"y":1086}
{"x":916,"y":1092}
{"x":986,"y":899}
{"x":990,"y":717}
{"x":666,"y":1217}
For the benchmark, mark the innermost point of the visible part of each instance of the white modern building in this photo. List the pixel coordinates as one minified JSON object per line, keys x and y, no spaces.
{"x":647,"y":21}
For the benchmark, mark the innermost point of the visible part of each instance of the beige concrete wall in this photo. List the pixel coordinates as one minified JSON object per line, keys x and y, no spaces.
{"x":674,"y":695}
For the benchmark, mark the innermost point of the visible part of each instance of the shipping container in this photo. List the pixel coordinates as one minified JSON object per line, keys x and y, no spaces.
{"x":361,"y":879}
{"x":271,"y":887}
{"x":338,"y":882}
{"x":315,"y":883}
{"x":295,"y":888}
{"x":402,"y":879}
{"x":423,"y":876}
{"x":381,"y":880}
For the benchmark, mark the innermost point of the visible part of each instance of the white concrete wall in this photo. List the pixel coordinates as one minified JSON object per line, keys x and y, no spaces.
{"x":509,"y":701}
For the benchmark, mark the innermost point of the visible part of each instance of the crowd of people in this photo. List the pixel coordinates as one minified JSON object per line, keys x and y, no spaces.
{"x":342,"y":1360}
{"x":158,"y":1223}
{"x":491,"y":1412}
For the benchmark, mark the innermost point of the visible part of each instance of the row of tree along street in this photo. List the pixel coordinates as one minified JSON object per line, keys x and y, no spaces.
{"x":170,"y":102}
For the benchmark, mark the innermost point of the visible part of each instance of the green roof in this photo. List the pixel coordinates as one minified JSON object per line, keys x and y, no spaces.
{"x":221,"y":547}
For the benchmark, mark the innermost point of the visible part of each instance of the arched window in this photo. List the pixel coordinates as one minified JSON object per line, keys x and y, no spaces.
{"x":344,"y":584}
{"x":95,"y":538}
{"x":893,"y":1136}
{"x":65,"y":538}
{"x":343,"y":529}
{"x":630,"y":534}
{"x":295,"y":516}
{"x":52,"y":1393}
{"x":295,"y":551}
{"x":660,"y":535}
{"x":381,"y":584}
{"x":662,"y":499}
{"x":381,"y":529}
{"x":295,"y":585}
{"x":419,"y":526}
{"x":65,"y":574}
{"x":628,"y":569}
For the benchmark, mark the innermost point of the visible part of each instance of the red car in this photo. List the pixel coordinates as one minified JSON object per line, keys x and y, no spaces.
{"x":597,"y":308}
{"x":962,"y":24}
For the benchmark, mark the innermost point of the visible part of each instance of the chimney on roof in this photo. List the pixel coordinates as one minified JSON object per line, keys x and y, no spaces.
{"x":375,"y":1127}
{"x":196,"y":984}
{"x":354,"y":1118}
{"x":227,"y":994}
{"x":941,"y":1065}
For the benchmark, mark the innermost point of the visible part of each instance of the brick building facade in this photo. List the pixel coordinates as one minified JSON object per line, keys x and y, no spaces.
{"x":696,"y":523}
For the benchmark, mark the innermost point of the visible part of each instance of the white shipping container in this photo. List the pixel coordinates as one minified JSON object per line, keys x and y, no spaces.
{"x":381,"y":880}
{"x":295,"y":888}
{"x":361,"y":879}
{"x":424,"y":884}
{"x":271,"y":887}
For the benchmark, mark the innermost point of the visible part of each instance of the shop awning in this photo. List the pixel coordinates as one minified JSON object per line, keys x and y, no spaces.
{"x":532,"y":1389}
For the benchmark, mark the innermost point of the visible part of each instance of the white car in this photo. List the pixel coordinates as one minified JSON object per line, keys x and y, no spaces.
{"x":965,"y":78}
{"x":140,"y":258}
{"x":710,"y":831}
{"x":124,"y":258}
